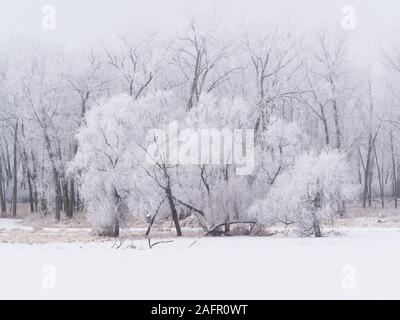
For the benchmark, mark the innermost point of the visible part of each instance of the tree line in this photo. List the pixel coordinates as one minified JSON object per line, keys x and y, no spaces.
{"x":300,"y":93}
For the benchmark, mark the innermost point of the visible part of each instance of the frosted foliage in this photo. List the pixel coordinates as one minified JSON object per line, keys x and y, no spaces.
{"x":111,"y":157}
{"x":216,"y":189}
{"x":277,"y":149}
{"x":211,"y":112}
{"x":310,"y":193}
{"x":223,"y":124}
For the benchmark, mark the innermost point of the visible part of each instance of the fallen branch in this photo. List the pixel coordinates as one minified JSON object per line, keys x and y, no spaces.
{"x":120,"y":241}
{"x":193,"y":243}
{"x":156,"y":243}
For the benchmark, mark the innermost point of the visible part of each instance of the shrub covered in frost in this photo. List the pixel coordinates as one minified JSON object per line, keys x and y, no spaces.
{"x":312,"y":192}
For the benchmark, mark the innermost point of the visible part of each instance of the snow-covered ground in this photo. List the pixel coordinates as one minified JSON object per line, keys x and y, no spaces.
{"x":10,"y":224}
{"x":362,"y":263}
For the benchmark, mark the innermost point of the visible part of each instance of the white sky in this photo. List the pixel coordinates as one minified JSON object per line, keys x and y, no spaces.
{"x":83,"y":21}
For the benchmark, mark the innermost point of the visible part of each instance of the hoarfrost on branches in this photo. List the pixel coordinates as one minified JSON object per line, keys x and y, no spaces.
{"x":310,"y":193}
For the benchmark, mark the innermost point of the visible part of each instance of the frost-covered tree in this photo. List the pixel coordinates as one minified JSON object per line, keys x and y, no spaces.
{"x":296,"y":93}
{"x":309,"y":194}
{"x":202,"y":56}
{"x":133,"y":62}
{"x":114,"y":173}
{"x":216,"y":189}
{"x":272,"y":70}
{"x":327,"y":89}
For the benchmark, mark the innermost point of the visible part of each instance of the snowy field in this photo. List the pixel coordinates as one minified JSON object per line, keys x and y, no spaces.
{"x":361,"y":263}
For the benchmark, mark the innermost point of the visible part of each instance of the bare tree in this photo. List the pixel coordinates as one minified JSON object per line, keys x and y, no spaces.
{"x":201,"y":57}
{"x":135,"y":61}
{"x":86,"y":82}
{"x":275,"y":62}
{"x":330,"y":68}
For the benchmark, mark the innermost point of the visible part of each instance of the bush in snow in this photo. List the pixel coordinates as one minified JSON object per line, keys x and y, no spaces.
{"x":310,"y":193}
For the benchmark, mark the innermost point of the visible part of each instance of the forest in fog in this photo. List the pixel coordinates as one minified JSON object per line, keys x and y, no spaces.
{"x":75,"y":126}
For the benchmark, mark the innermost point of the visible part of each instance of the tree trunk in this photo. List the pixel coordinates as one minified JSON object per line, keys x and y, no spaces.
{"x":325,"y":125}
{"x":337,"y":125}
{"x":326,"y":130}
{"x":15,"y":186}
{"x":394,"y":170}
{"x":43,"y":205}
{"x":370,"y":179}
{"x":316,"y":227}
{"x":113,"y":226}
{"x":56,"y":176}
{"x":65,"y":197}
{"x":227,"y":228}
{"x":31,"y":199}
{"x":71,"y":205}
{"x":112,"y":230}
{"x":57,"y":204}
{"x":34,"y":180}
{"x":79,"y":201}
{"x":8,"y":165}
{"x":316,"y":222}
{"x":380,"y":178}
{"x":174,"y":213}
{"x":2,"y":197}
{"x":72,"y":202}
{"x":366,"y":172}
{"x":29,"y":180}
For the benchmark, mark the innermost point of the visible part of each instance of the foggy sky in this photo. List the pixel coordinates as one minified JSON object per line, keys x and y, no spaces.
{"x":83,"y":21}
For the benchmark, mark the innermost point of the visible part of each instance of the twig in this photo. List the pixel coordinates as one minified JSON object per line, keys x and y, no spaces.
{"x":193,"y":243}
{"x":121,"y":242}
{"x":155,"y":243}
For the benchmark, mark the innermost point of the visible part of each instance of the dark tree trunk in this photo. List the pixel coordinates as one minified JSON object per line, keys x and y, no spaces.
{"x":57,"y":204}
{"x":79,"y":201}
{"x":227,"y":228}
{"x":371,"y":175}
{"x":397,"y":188}
{"x":326,"y":130}
{"x":65,"y":197}
{"x":15,"y":168}
{"x":72,"y":202}
{"x":112,"y":228}
{"x":172,"y":206}
{"x":43,"y":205}
{"x":8,"y":165}
{"x":317,"y":229}
{"x":29,"y":181}
{"x":71,"y":205}
{"x":2,"y":197}
{"x":367,"y":172}
{"x":31,"y":198}
{"x":34,"y":180}
{"x":174,"y":213}
{"x":380,"y":178}
{"x":394,"y":170}
{"x":337,"y":125}
{"x":316,"y":222}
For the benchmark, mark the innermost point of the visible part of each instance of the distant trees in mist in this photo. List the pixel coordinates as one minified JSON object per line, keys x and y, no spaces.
{"x":74,"y":126}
